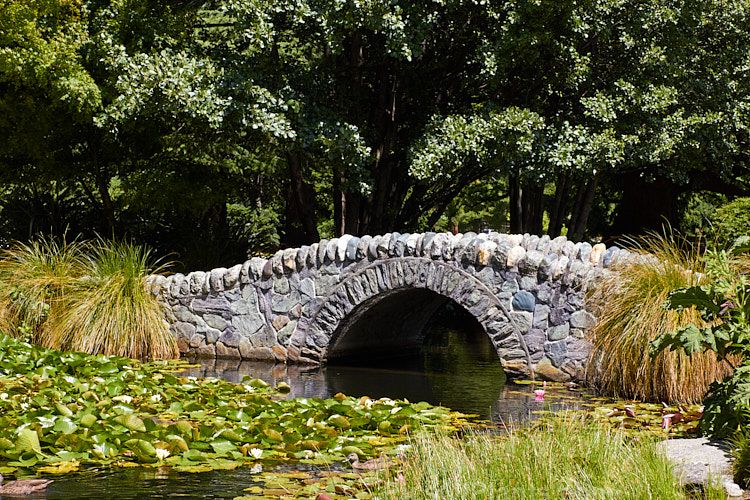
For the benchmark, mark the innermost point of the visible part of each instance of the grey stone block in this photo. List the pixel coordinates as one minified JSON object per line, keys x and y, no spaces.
{"x":523,"y":301}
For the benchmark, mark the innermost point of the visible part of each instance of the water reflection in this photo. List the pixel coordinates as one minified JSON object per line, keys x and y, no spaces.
{"x":457,"y":367}
{"x":158,"y":483}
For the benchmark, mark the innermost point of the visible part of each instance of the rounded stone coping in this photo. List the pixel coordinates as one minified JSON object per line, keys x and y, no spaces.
{"x":556,"y":258}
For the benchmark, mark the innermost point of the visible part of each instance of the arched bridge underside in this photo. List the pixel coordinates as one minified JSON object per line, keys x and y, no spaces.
{"x":373,"y":296}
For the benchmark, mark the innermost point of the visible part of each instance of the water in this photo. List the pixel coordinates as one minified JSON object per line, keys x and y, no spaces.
{"x":458,"y":368}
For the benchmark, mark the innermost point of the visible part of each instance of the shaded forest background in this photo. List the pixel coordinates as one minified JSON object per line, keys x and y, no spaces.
{"x":215,"y":130}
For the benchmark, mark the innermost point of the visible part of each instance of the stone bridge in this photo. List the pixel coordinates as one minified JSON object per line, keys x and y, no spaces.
{"x":373,"y":296}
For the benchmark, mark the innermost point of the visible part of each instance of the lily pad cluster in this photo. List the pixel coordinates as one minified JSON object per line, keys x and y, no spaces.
{"x":59,"y":411}
{"x":631,"y":416}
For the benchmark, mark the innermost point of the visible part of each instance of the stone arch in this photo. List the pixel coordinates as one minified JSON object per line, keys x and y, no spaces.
{"x":415,"y":286}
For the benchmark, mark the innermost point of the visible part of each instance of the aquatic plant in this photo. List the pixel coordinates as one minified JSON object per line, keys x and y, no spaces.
{"x":89,"y":297}
{"x":61,"y":411}
{"x":628,"y":307}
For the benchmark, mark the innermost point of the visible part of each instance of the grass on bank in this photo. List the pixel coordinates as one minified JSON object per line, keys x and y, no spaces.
{"x":88,"y":297}
{"x":564,"y":457}
{"x":628,"y":306}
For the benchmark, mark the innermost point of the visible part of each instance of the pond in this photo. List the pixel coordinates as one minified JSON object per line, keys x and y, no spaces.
{"x":457,"y":367}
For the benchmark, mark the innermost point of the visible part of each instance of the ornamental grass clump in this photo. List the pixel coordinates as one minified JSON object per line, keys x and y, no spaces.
{"x":88,"y":297}
{"x":565,"y":457}
{"x":32,"y":277}
{"x":628,"y":304}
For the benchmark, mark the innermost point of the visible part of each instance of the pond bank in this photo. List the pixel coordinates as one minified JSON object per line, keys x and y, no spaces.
{"x":701,"y":460}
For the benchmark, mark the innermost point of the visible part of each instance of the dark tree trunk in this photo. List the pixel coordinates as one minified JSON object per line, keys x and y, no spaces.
{"x":516,"y":207}
{"x":526,"y":206}
{"x":339,"y":204}
{"x":301,"y":224}
{"x":582,"y":208}
{"x":557,"y":211}
{"x":532,"y":205}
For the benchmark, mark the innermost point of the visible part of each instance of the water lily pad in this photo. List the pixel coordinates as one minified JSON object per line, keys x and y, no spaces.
{"x":28,"y":440}
{"x":131,"y":422}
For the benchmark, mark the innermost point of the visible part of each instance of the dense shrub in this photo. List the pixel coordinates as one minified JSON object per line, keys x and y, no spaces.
{"x":730,"y":222}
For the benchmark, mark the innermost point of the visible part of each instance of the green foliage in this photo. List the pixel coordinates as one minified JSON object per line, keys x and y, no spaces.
{"x":724,"y":307}
{"x":88,"y":297}
{"x":741,"y":453}
{"x":565,"y":457}
{"x":258,"y":227}
{"x":153,"y":117}
{"x":730,"y":222}
{"x":59,"y":411}
{"x":628,"y":306}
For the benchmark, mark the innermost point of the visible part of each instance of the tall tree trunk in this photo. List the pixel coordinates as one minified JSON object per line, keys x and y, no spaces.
{"x":379,"y":211}
{"x":532,"y":206}
{"x":102,"y":185}
{"x":583,"y":209}
{"x":300,"y":207}
{"x":557,"y":212}
{"x":516,"y":205}
{"x":339,"y":204}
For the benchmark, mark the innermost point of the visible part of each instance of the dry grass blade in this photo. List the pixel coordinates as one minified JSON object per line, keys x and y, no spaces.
{"x":628,"y":306}
{"x":32,"y":277}
{"x":84,"y":297}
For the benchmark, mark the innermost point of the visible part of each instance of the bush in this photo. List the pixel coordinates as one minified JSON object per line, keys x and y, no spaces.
{"x":730,"y":222}
{"x":628,"y":306}
{"x":88,"y":297}
{"x":724,"y":330}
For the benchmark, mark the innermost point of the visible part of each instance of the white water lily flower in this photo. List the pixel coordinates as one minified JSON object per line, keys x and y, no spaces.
{"x":161,"y":453}
{"x":124,"y":398}
{"x":4,"y":396}
{"x":156,"y":398}
{"x":47,"y":421}
{"x":256,"y":452}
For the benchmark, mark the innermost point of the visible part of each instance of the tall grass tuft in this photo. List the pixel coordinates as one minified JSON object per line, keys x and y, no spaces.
{"x":566,"y":458}
{"x":93,"y":297}
{"x":33,"y":276}
{"x":628,"y":306}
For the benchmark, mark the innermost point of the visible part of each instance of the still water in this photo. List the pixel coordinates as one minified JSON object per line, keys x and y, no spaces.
{"x":457,"y":368}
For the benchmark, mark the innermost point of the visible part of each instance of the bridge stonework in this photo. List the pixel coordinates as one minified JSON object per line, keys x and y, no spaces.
{"x":373,"y":296}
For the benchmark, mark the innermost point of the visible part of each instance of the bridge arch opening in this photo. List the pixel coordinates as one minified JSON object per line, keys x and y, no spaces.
{"x":455,"y":363}
{"x":388,"y":325}
{"x":383,"y":308}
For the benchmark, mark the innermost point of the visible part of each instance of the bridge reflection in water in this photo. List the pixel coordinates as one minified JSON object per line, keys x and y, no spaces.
{"x":456,"y":367}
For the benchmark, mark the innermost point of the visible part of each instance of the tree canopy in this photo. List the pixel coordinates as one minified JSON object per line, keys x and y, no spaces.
{"x":237,"y":125}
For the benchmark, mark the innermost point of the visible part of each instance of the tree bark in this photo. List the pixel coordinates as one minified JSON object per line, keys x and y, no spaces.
{"x":339,"y":204}
{"x":516,"y":205}
{"x":300,"y":207}
{"x":532,"y":206}
{"x":557,"y":211}
{"x":583,"y":209}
